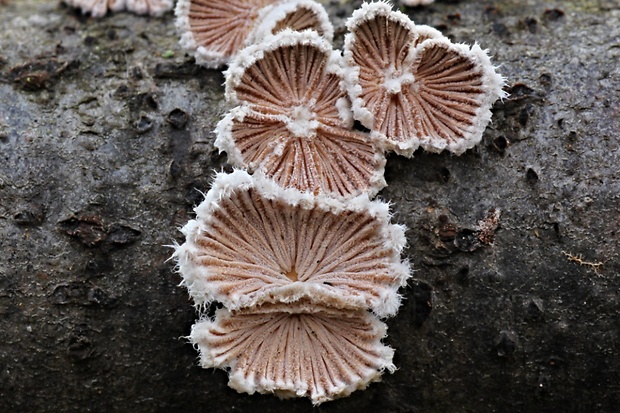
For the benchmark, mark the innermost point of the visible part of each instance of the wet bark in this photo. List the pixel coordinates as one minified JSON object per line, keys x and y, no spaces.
{"x":106,"y":143}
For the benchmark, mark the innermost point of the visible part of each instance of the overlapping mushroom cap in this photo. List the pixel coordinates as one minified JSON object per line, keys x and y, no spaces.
{"x":99,"y":8}
{"x":214,"y":31}
{"x":412,"y":87}
{"x":296,"y":15}
{"x":295,"y":349}
{"x":254,"y":242}
{"x":294,"y":120}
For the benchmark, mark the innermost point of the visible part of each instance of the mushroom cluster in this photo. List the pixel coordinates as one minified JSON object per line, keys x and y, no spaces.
{"x":302,"y":260}
{"x":296,"y":274}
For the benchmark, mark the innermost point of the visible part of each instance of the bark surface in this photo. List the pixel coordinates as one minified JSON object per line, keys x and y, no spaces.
{"x":106,"y":144}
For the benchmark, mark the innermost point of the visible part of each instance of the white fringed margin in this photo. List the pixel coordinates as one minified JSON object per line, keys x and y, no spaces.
{"x":492,"y":84}
{"x":244,"y":382}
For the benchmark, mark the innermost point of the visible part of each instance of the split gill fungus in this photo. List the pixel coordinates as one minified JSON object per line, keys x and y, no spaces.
{"x":291,"y":245}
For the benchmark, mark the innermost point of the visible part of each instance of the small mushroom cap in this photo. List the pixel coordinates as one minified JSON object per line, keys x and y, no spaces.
{"x":295,"y":350}
{"x":297,"y":15}
{"x":412,"y":87}
{"x":457,"y":86}
{"x":294,"y":122}
{"x":214,"y":31}
{"x":307,"y":50}
{"x":254,"y":242}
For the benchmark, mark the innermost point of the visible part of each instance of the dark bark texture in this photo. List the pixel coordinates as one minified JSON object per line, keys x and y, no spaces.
{"x":106,"y":143}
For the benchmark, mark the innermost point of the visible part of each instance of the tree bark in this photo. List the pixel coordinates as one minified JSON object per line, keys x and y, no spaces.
{"x":106,"y":145}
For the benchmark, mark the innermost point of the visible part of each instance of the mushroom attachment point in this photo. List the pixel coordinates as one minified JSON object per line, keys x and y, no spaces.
{"x":294,"y":121}
{"x":413,"y":87}
{"x":254,"y":242}
{"x":297,"y":350}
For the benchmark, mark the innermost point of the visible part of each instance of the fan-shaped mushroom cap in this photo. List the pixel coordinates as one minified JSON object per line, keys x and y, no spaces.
{"x":295,"y":349}
{"x":214,"y":31}
{"x":413,"y":87}
{"x":294,"y":122}
{"x":254,"y":242}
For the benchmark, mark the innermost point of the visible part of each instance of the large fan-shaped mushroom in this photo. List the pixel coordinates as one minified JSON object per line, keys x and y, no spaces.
{"x":413,"y":87}
{"x":295,"y":349}
{"x":254,"y":242}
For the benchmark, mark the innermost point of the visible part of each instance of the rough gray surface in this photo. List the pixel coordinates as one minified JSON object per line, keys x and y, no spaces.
{"x":105,"y":143}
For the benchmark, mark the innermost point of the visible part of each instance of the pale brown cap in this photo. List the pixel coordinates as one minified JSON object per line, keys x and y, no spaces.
{"x":295,"y":350}
{"x":214,"y":31}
